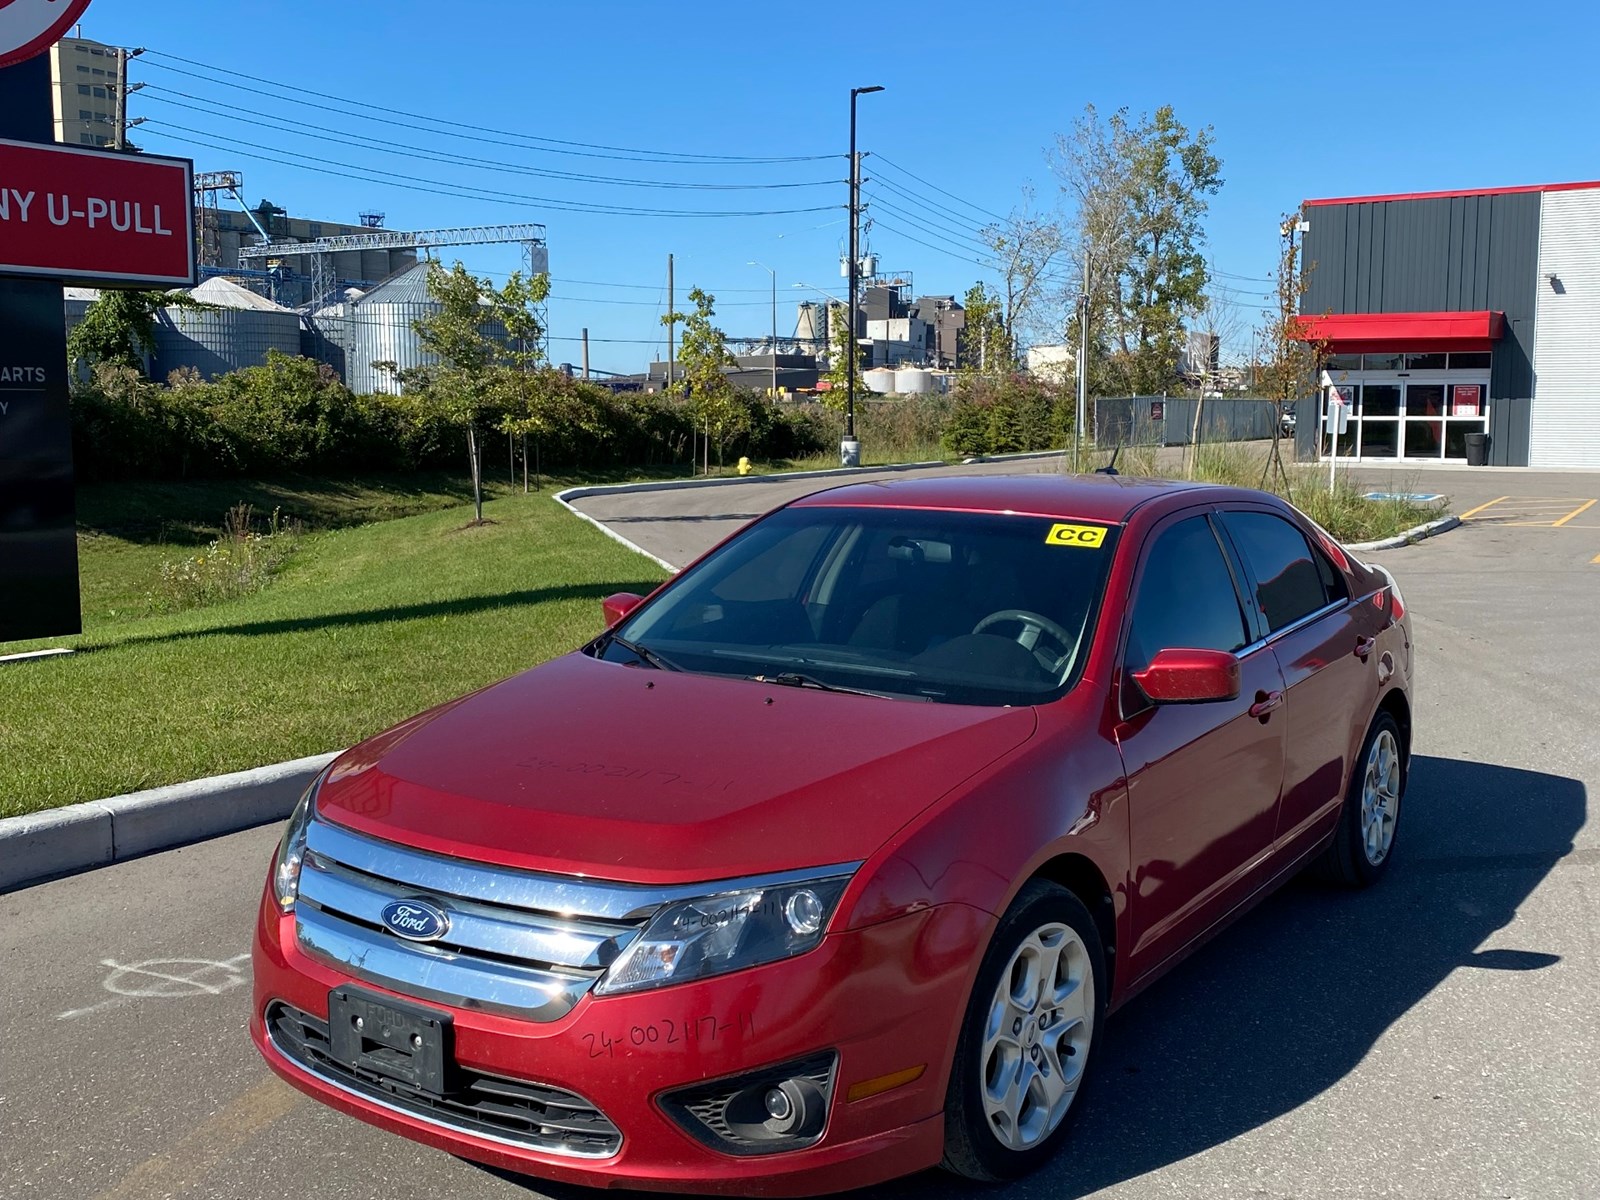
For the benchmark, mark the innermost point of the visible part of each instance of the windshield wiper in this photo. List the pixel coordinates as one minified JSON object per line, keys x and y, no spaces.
{"x":642,"y":653}
{"x":796,"y":679}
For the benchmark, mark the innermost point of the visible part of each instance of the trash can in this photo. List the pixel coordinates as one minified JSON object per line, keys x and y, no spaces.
{"x":1477,"y":449}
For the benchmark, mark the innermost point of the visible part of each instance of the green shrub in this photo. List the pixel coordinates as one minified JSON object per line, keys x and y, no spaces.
{"x":1007,"y":414}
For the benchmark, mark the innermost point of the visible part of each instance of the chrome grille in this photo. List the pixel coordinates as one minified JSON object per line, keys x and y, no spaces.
{"x":520,"y":943}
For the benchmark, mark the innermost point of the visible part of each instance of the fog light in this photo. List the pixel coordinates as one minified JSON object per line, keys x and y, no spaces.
{"x":763,"y":1112}
{"x":803,"y":910}
{"x":779,"y":1106}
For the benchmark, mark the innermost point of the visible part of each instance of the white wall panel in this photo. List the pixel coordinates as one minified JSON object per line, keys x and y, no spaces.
{"x":1566,"y":352}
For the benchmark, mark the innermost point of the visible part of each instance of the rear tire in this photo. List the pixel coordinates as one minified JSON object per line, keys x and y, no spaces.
{"x":1369,"y":822}
{"x":1031,"y":1028}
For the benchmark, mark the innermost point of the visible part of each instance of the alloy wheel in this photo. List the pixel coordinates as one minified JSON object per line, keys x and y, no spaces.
{"x":1037,"y":1036}
{"x":1380,"y":797}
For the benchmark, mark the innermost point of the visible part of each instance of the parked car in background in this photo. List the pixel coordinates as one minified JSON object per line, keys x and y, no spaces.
{"x":828,"y":862}
{"x":1286,"y":421}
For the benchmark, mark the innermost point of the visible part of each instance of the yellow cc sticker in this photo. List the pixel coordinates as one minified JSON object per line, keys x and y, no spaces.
{"x":1075,"y":535}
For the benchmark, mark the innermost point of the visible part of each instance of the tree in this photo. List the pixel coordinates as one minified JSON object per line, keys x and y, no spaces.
{"x":1025,"y":247}
{"x":842,"y":343}
{"x":1288,"y":370}
{"x":1220,"y":321}
{"x":120,"y":327}
{"x":472,"y":342}
{"x":985,"y":344}
{"x":1138,"y":198}
{"x":712,"y":399}
{"x":522,"y":375}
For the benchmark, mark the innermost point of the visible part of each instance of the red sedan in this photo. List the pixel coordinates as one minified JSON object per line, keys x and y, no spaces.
{"x":826,"y":863}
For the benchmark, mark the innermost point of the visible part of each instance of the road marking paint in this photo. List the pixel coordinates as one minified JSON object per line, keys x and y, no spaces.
{"x":1587,"y":505}
{"x":166,"y":979}
{"x":193,"y":1156}
{"x":1472,"y":512}
{"x":1594,"y":560}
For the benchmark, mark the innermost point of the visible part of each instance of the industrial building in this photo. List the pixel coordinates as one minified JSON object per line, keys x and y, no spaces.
{"x":224,"y":232}
{"x":84,"y":78}
{"x":1444,"y":315}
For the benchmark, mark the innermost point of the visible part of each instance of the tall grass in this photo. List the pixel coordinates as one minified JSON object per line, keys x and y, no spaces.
{"x":1343,"y":508}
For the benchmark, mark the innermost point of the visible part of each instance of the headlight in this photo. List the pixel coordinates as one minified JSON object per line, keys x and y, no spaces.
{"x":728,"y":931}
{"x":292,"y":849}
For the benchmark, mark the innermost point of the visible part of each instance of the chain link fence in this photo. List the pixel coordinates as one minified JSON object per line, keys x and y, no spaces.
{"x":1170,"y":420}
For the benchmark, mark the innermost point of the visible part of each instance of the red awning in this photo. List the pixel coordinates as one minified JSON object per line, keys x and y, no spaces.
{"x":1353,"y":333}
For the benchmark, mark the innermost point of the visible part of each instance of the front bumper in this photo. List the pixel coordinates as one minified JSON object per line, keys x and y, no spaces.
{"x":886,"y":999}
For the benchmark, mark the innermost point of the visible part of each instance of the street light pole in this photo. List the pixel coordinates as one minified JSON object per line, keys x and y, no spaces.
{"x":774,"y":274}
{"x":850,"y":448}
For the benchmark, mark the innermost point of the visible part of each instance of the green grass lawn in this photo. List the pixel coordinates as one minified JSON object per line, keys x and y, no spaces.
{"x":367,"y":624}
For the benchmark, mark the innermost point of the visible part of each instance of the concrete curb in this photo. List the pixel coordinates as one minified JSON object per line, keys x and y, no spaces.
{"x":1410,"y":536}
{"x":64,"y":841}
{"x":568,"y":495}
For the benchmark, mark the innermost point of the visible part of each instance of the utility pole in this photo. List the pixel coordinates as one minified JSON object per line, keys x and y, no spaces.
{"x":850,"y":448}
{"x":586,"y":354}
{"x":119,"y":122}
{"x":671,"y":308}
{"x":1083,"y":382}
{"x":774,"y":274}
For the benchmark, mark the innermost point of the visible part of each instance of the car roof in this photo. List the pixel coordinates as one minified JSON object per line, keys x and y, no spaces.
{"x":1105,"y":498}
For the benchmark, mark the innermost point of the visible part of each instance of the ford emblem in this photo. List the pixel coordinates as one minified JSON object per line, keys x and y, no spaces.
{"x":415,"y":920}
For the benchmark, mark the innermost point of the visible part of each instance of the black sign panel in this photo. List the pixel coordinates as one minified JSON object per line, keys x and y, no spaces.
{"x":38,"y":523}
{"x":38,"y":534}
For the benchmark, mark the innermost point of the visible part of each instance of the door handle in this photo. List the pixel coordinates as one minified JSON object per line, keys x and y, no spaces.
{"x":1365,"y":646}
{"x":1265,"y":703}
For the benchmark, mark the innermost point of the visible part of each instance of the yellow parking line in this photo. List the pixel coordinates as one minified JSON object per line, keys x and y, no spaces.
{"x":1472,"y":512}
{"x":1576,"y":512}
{"x":1594,"y":560}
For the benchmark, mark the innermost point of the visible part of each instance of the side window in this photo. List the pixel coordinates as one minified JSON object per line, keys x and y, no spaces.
{"x":1293,"y":579}
{"x":1186,"y":598}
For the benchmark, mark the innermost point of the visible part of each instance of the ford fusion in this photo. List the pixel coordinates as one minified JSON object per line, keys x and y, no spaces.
{"x":825,"y":863}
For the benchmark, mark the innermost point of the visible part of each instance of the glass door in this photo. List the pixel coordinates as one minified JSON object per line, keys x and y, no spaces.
{"x":1424,"y":419}
{"x":1379,"y":436}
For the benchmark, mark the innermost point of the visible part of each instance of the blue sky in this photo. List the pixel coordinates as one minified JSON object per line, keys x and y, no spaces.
{"x":1305,"y":101}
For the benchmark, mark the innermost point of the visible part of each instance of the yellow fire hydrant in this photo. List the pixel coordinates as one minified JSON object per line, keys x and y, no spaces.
{"x":744,"y":465}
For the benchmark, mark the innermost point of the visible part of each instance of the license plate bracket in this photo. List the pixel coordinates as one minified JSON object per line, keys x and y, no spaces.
{"x":398,"y":1040}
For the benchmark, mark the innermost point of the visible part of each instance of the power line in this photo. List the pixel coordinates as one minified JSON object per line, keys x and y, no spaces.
{"x":550,"y":145}
{"x":930,"y":206}
{"x":967,"y":203}
{"x":209,"y":106}
{"x":446,"y":188}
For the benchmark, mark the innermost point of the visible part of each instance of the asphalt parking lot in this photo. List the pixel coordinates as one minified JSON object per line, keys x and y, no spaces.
{"x":1436,"y":1037}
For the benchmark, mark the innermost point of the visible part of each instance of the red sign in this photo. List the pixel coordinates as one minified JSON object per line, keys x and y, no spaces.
{"x":96,"y":215}
{"x":1467,"y":399}
{"x":30,"y":27}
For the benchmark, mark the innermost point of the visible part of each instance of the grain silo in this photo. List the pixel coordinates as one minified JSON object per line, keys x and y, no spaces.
{"x":235,"y":329}
{"x":383,"y":332}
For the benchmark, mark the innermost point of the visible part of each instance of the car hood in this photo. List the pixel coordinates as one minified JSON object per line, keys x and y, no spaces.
{"x":659,"y":777}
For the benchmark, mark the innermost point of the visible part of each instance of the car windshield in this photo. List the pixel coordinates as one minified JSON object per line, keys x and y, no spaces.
{"x":960,"y":608}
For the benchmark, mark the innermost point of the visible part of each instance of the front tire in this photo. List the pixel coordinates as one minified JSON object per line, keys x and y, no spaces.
{"x":1031,"y":1028}
{"x":1363,"y":844}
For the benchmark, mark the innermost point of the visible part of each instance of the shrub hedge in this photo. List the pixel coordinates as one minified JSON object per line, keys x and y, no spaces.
{"x":296,"y":415}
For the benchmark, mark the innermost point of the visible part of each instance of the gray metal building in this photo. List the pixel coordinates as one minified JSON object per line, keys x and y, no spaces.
{"x":1447,"y":314}
{"x":379,"y":332}
{"x":236,"y":329}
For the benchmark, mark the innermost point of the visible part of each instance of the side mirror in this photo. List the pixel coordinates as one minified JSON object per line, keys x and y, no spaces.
{"x":620,"y":604}
{"x":1190,"y":677}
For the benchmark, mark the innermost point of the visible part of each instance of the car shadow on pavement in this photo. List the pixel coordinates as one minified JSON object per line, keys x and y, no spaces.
{"x":1284,"y":1004}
